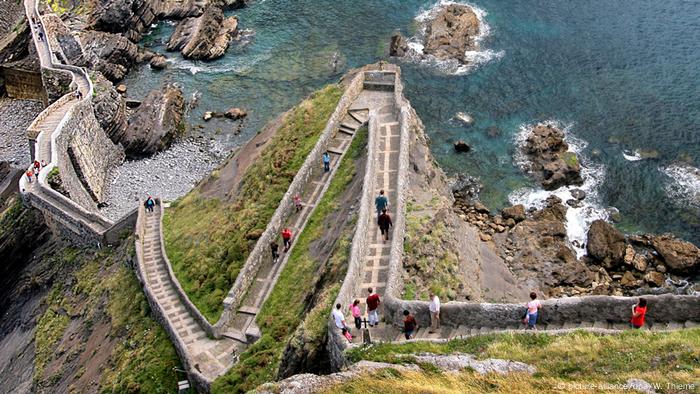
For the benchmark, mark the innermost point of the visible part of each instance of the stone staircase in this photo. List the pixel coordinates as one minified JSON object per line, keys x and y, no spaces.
{"x":210,"y":357}
{"x":242,"y":326}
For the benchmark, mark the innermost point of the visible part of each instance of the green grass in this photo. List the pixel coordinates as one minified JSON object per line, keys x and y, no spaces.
{"x":284,"y":309}
{"x":103,"y":291}
{"x":578,"y":357}
{"x":206,"y":238}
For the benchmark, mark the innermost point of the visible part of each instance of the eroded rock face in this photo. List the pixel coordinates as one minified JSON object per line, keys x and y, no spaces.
{"x":204,"y":37}
{"x":606,"y":244}
{"x":131,"y":17}
{"x":451,"y":33}
{"x":109,"y":107}
{"x":680,"y":256}
{"x":550,"y":160}
{"x":111,"y":54}
{"x":156,"y":122}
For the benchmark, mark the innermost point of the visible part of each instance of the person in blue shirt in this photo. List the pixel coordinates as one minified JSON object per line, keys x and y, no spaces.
{"x":381,"y":202}
{"x":326,"y":161}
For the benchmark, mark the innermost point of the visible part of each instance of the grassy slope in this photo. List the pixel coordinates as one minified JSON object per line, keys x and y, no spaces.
{"x":103,"y":291}
{"x":283,"y":311}
{"x":578,"y":358}
{"x":206,"y":238}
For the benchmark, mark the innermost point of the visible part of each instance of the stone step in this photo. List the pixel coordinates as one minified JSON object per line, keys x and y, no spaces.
{"x":249,"y":310}
{"x":348,"y":126}
{"x":346,"y":131}
{"x":235,"y":335}
{"x":334,"y":151}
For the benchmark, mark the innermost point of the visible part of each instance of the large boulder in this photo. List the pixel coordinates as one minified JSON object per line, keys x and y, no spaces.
{"x":605,"y":244}
{"x":680,"y":256}
{"x":155,"y":123}
{"x":132,"y":18}
{"x":204,"y":37}
{"x":451,"y":33}
{"x":550,"y":159}
{"x":516,"y":212}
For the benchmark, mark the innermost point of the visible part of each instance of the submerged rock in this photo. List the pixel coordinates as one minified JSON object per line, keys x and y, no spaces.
{"x":205,"y":37}
{"x":236,"y":113}
{"x":550,"y":159}
{"x":452,"y":32}
{"x":156,"y":122}
{"x":461,"y":146}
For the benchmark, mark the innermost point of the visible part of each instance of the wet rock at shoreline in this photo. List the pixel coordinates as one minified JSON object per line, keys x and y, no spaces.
{"x":205,"y":37}
{"x":452,"y":32}
{"x":155,"y":123}
{"x":398,"y":46}
{"x":158,"y":62}
{"x":236,"y":113}
{"x":550,"y":160}
{"x":516,"y":212}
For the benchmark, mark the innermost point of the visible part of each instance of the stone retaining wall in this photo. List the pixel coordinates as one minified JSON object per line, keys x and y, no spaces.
{"x":22,"y":84}
{"x":94,"y":153}
{"x":261,"y":251}
{"x":201,"y":383}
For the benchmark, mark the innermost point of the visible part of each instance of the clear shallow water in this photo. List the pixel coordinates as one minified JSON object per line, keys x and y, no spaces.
{"x":622,"y":75}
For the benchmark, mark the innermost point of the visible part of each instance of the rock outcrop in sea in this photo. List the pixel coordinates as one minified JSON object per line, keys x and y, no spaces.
{"x":550,"y":160}
{"x":204,"y":37}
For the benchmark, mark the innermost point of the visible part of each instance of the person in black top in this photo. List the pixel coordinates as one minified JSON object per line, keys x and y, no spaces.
{"x":385,"y":223}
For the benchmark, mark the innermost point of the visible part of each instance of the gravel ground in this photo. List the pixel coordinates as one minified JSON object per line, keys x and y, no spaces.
{"x":168,"y":175}
{"x":15,"y":117}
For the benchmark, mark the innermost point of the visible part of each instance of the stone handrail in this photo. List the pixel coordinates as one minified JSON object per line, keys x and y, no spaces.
{"x":46,"y":196}
{"x":286,"y":206}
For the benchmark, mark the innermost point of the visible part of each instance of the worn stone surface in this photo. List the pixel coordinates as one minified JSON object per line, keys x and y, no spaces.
{"x":457,"y":362}
{"x":155,"y":123}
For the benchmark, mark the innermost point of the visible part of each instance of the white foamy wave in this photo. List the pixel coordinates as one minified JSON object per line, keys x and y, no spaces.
{"x":578,"y":219}
{"x":194,"y":67}
{"x":474,"y":58}
{"x":632,"y":155}
{"x":685,"y":183}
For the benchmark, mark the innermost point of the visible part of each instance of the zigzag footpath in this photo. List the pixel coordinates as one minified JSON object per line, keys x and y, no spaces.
{"x":48,"y":126}
{"x":376,"y":264}
{"x":207,"y":350}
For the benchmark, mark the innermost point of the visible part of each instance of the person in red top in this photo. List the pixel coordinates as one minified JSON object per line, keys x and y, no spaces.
{"x":372,"y":305}
{"x":287,"y":238}
{"x":409,"y":324}
{"x":639,"y":311}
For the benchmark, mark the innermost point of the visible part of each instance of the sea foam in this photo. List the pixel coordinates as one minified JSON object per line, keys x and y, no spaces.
{"x":684,"y":183}
{"x":579,"y":219}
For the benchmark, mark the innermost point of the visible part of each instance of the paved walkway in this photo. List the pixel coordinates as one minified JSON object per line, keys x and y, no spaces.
{"x":242,"y":324}
{"x":212,"y":357}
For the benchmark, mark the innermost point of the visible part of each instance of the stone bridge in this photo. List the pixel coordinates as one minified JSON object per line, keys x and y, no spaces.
{"x":67,"y":137}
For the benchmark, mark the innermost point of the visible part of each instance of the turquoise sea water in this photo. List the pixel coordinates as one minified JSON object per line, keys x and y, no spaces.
{"x":619,"y":75}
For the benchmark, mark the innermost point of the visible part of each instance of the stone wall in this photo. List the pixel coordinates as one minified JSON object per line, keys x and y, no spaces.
{"x":93,"y":152}
{"x":201,"y":383}
{"x":261,"y":251}
{"x":22,"y":84}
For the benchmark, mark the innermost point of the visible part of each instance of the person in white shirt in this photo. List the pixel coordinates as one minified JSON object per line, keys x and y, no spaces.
{"x":434,"y":313}
{"x":339,"y":317}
